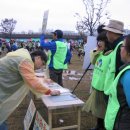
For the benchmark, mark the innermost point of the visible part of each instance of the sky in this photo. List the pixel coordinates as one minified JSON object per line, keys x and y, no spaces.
{"x":29,"y":13}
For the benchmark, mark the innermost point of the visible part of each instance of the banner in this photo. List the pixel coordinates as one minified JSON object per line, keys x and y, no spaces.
{"x":40,"y":123}
{"x":44,"y":23}
{"x":29,"y":115}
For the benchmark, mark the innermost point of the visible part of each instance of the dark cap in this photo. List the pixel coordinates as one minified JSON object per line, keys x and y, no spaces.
{"x":59,"y":33}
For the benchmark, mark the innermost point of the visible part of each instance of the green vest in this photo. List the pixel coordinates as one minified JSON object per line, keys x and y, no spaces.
{"x":113,"y":104}
{"x":59,"y":56}
{"x":110,"y":75}
{"x":99,"y":72}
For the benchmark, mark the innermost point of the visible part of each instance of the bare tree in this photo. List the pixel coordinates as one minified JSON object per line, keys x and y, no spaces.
{"x":7,"y":26}
{"x":95,"y":12}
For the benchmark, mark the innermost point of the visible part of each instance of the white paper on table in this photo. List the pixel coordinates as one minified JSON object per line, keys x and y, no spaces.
{"x":62,"y":98}
{"x":56,"y":86}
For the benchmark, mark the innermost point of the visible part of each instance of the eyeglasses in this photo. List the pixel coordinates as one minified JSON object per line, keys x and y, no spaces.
{"x":123,"y":46}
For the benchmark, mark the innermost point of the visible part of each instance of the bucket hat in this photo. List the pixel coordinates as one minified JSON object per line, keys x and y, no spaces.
{"x":115,"y":26}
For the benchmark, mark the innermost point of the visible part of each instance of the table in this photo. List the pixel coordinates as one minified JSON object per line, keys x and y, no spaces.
{"x":64,"y":101}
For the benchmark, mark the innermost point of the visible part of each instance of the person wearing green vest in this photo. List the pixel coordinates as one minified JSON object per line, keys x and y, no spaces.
{"x":59,"y":55}
{"x":17,"y":77}
{"x":118,"y":110}
{"x":115,"y":31}
{"x":96,"y":103}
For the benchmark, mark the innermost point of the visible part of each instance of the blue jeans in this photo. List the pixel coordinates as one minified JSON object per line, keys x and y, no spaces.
{"x":3,"y":126}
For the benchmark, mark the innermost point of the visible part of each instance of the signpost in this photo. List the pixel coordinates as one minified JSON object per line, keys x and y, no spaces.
{"x":44,"y":23}
{"x":29,"y":115}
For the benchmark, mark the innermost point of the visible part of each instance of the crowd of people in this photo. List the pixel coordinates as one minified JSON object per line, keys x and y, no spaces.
{"x":109,"y":100}
{"x":12,"y":45}
{"x":33,"y":44}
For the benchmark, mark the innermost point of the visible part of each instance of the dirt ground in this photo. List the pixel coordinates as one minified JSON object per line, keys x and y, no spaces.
{"x":15,"y":121}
